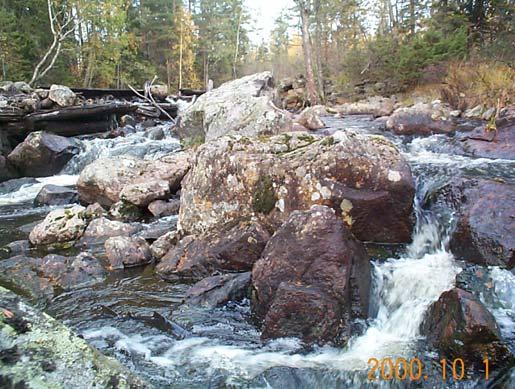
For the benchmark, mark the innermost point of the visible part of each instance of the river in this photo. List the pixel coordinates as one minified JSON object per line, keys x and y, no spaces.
{"x":221,"y":348}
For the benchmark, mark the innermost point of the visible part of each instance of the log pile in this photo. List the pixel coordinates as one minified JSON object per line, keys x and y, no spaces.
{"x":71,"y":112}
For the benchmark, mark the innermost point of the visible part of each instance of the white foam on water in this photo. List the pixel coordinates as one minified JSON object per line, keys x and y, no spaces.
{"x":28,"y":192}
{"x":503,"y":307}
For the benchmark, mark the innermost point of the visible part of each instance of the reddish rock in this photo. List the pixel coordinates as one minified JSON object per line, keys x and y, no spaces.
{"x":232,"y":248}
{"x":312,"y":279}
{"x":143,"y":193}
{"x":363,"y":178}
{"x":489,"y":144}
{"x":164,"y":244}
{"x":420,"y":119}
{"x":460,"y":326}
{"x":127,"y":252}
{"x":216,"y":291}
{"x":484,"y":211}
{"x":161,"y":208}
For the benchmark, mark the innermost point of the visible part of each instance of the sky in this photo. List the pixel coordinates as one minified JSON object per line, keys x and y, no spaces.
{"x":264,"y":13}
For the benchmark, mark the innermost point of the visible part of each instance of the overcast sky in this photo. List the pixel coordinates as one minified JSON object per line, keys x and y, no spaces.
{"x":264,"y":13}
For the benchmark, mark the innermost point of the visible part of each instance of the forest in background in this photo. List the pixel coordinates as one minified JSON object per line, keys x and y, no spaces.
{"x":379,"y":46}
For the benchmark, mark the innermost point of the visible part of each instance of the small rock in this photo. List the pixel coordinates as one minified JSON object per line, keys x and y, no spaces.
{"x":102,"y":228}
{"x":127,"y":252}
{"x":94,"y":211}
{"x":216,"y":291}
{"x":42,"y":93}
{"x":142,"y":194}
{"x":489,"y":113}
{"x":127,"y":120}
{"x":22,"y":87}
{"x":59,"y":226}
{"x":126,"y":212}
{"x":62,"y":95}
{"x":47,"y":103}
{"x":474,"y":112}
{"x":155,"y":133}
{"x":455,"y":113}
{"x":161,"y":208}
{"x":18,"y":247}
{"x":310,"y":119}
{"x":56,"y":195}
{"x":164,"y":244}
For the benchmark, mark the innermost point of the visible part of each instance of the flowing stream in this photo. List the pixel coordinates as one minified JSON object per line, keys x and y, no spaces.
{"x":220,"y":348}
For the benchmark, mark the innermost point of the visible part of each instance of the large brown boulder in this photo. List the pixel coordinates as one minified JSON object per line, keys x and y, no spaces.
{"x":123,"y":252}
{"x":231,"y":248}
{"x":363,"y":177}
{"x":420,"y":119}
{"x":312,"y":280}
{"x":492,"y":144}
{"x":43,"y":154}
{"x":104,"y":180}
{"x":241,"y":106}
{"x":484,"y":221}
{"x":460,"y":326}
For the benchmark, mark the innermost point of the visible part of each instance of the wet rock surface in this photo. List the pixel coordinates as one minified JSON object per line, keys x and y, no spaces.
{"x":485,"y":223}
{"x":460,"y":326}
{"x":101,"y":229}
{"x":364,"y":178}
{"x":217,"y":291}
{"x":312,"y":279}
{"x":41,"y":278}
{"x":56,"y":195}
{"x":42,"y":154}
{"x":492,"y":143}
{"x":241,"y":106}
{"x":123,"y":252}
{"x":40,"y":349}
{"x":234,"y":247}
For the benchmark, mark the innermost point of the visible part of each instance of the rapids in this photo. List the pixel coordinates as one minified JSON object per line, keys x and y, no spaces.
{"x":221,"y":347}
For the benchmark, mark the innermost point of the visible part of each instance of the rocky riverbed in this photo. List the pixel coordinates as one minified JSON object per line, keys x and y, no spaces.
{"x":252,"y":247}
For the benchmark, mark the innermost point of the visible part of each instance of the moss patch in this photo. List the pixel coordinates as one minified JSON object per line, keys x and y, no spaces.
{"x":264,"y":197}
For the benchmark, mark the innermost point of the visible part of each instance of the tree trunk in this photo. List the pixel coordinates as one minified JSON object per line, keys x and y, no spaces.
{"x":306,"y":45}
{"x":237,"y":47}
{"x":413,"y":17}
{"x":318,"y":52}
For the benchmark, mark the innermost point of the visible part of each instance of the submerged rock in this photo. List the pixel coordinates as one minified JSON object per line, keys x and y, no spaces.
{"x":420,"y":119}
{"x":41,"y":278}
{"x":231,"y":248}
{"x":312,"y":280}
{"x":217,"y":291}
{"x":484,"y":221}
{"x":42,"y":154}
{"x":123,"y":252}
{"x":103,"y":180}
{"x":363,"y":177}
{"x":460,"y":326}
{"x":41,"y":352}
{"x":59,"y":226}
{"x":241,"y":106}
{"x":56,"y":195}
{"x":16,"y":184}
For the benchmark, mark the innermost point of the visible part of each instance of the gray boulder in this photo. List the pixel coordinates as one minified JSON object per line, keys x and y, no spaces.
{"x":62,"y":95}
{"x":56,"y":195}
{"x":42,"y":154}
{"x":242,"y":106}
